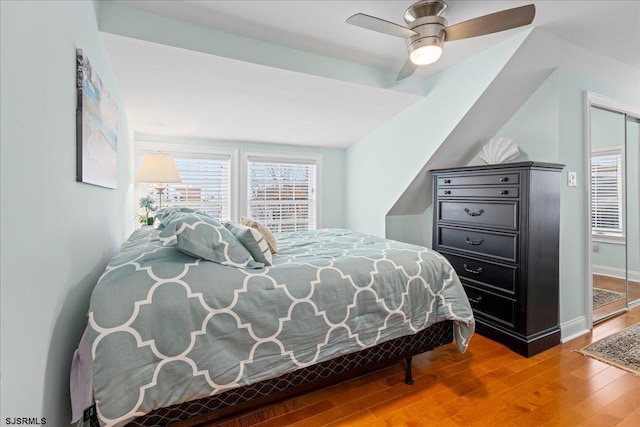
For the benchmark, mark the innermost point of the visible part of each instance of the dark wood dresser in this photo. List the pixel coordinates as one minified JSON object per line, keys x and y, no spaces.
{"x":498,"y":225}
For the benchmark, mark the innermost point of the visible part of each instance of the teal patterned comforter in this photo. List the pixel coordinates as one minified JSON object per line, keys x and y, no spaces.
{"x":167,"y":328}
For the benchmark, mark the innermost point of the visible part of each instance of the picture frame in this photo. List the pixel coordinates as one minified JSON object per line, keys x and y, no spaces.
{"x":96,"y":128}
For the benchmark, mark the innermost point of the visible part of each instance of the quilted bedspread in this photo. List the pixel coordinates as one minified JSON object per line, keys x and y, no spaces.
{"x":167,"y":328}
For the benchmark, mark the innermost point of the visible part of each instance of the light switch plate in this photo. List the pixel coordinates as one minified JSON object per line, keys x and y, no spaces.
{"x":572,"y":179}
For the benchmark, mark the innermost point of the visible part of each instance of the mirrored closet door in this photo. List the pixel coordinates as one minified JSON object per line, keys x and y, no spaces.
{"x":615,"y":257}
{"x":633,"y":210}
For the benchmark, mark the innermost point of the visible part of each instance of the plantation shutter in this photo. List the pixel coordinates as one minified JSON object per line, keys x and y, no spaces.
{"x":205,"y":186}
{"x":282,"y":194}
{"x":606,"y":192}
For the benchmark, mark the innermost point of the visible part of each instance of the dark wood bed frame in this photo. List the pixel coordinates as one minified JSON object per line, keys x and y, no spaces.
{"x":302,"y":380}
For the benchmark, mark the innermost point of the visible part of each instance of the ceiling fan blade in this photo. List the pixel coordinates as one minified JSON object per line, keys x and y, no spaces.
{"x":492,"y":23}
{"x":380,"y":25}
{"x":407,"y":69}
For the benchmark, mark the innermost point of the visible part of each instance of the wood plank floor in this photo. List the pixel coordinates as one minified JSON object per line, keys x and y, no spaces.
{"x":487,"y":386}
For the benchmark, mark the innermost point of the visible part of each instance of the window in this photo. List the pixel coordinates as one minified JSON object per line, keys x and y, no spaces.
{"x":607,"y":195}
{"x":206,"y":181}
{"x":281,"y":193}
{"x":279,"y":189}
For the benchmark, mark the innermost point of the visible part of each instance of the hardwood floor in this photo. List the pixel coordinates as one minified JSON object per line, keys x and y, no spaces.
{"x":613,"y":284}
{"x":487,"y":386}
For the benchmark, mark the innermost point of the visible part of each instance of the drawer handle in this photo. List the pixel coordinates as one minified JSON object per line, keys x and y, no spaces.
{"x":504,"y":179}
{"x":480,"y":212}
{"x":469,"y":270}
{"x":447,"y":192}
{"x":447,"y":181}
{"x":503,"y":192}
{"x":476,"y":301}
{"x":468,"y":241}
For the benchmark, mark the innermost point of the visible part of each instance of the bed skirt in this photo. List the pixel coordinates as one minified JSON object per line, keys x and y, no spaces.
{"x":301,"y":380}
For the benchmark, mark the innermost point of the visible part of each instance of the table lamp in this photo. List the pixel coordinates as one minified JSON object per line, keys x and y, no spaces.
{"x":160,"y":169}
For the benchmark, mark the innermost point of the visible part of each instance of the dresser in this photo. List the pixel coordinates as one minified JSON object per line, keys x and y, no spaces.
{"x":498,"y":225}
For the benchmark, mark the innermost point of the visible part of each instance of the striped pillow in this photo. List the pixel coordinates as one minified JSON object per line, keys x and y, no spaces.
{"x":266,"y":233}
{"x":253,"y":240}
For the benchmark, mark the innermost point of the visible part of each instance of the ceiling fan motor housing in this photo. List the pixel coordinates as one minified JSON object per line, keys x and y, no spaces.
{"x":424,"y":8}
{"x":431,"y":32}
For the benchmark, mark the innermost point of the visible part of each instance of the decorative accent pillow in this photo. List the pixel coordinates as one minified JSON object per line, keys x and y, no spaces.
{"x":266,"y":233}
{"x":203,"y":237}
{"x":166,"y":215}
{"x":253,"y":241}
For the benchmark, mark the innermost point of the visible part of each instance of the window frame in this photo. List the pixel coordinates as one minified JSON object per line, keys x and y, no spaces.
{"x":284,"y":157}
{"x":604,"y":236}
{"x":176,"y":149}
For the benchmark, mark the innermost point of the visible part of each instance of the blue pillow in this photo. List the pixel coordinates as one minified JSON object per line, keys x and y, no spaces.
{"x":203,"y":237}
{"x":253,"y":241}
{"x":166,"y":215}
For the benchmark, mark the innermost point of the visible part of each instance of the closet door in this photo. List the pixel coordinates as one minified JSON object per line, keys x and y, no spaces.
{"x":615,"y":223}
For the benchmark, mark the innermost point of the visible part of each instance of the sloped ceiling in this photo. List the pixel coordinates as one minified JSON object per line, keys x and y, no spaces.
{"x":311,"y":38}
{"x":525,"y":71}
{"x":179,"y":92}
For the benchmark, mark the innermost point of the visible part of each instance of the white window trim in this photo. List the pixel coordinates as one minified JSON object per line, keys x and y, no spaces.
{"x":605,"y":238}
{"x":278,"y":156}
{"x":601,"y":236}
{"x":145,"y":147}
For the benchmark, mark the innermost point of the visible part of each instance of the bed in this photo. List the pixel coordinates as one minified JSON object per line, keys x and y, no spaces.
{"x":173,"y":336}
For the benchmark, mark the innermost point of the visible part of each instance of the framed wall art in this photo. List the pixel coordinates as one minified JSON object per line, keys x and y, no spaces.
{"x":96,"y":128}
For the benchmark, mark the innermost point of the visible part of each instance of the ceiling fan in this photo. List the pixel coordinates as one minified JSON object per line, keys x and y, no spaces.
{"x":427,"y":30}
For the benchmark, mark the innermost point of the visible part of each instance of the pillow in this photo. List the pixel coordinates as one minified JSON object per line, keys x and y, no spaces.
{"x":253,"y":240}
{"x":166,"y":215}
{"x":263,"y":230}
{"x":203,"y":237}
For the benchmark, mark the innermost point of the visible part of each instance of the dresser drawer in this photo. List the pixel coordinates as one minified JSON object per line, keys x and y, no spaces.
{"x":495,"y":214}
{"x":491,"y":179}
{"x":479,"y":242}
{"x":492,"y":307}
{"x":485,"y":274}
{"x":497,"y":192}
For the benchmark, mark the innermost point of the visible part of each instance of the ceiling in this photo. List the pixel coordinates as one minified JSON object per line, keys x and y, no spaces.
{"x":236,"y":100}
{"x":178,"y":92}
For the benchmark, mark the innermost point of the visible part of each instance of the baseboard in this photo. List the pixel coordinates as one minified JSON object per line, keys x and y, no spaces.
{"x":574,"y":329}
{"x":618,"y":273}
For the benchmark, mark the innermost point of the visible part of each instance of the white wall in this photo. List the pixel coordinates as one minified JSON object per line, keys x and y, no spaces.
{"x":535,"y":127}
{"x":57,"y":235}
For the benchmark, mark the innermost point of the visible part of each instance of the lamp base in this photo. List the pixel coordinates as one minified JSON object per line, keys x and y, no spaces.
{"x":160,"y":189}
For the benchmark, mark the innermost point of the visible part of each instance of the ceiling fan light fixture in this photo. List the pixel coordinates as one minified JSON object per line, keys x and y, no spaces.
{"x":426,"y":50}
{"x":427,"y":29}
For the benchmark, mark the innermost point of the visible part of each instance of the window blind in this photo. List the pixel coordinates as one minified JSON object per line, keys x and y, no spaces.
{"x":282,"y":195}
{"x":205,"y":186}
{"x":606,"y":193}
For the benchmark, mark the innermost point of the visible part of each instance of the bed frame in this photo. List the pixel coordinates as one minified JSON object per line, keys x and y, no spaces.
{"x":302,"y":380}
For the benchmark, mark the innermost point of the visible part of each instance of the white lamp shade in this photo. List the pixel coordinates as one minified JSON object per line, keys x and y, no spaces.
{"x":158,"y":168}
